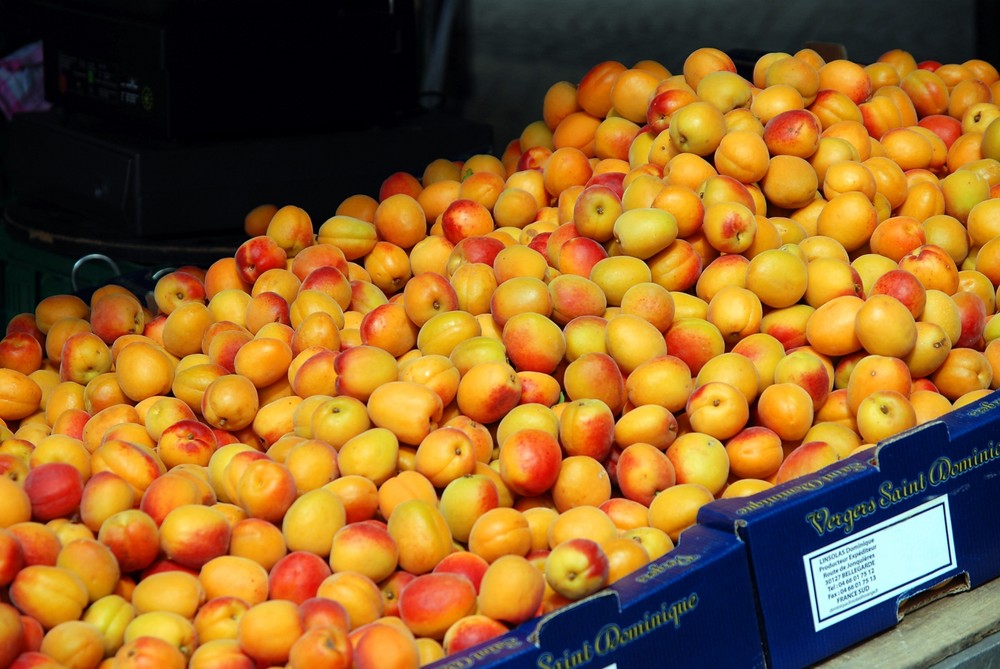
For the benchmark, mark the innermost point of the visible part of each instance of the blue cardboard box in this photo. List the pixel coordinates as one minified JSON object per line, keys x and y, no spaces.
{"x":841,"y":555}
{"x":693,"y":607}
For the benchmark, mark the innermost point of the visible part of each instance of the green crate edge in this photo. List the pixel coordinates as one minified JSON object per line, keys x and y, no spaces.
{"x":29,"y":274}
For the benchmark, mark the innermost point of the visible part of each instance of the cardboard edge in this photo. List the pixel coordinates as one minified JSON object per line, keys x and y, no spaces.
{"x":953,"y":585}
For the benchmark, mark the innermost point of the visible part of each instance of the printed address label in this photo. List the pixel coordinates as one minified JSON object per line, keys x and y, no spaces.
{"x":858,"y":572}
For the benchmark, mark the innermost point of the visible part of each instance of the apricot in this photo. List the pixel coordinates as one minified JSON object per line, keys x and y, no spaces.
{"x":93,"y":562}
{"x":675,"y":509}
{"x":582,"y":480}
{"x":408,"y":409}
{"x":644,"y":470}
{"x":312,"y":520}
{"x":586,"y":522}
{"x":499,"y":600}
{"x":964,"y":370}
{"x":787,"y":409}
{"x":432,"y":603}
{"x":498,"y":532}
{"x":885,"y":326}
{"x":258,"y":540}
{"x":876,"y":372}
{"x":421,"y":534}
{"x":385,"y":646}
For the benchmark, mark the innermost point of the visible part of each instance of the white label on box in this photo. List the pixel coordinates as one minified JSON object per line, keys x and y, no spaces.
{"x":860,"y":571}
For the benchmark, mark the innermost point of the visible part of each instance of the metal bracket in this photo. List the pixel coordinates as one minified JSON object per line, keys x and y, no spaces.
{"x":88,"y":258}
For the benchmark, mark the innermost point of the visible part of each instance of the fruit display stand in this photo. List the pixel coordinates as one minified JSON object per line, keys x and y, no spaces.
{"x":841,"y":555}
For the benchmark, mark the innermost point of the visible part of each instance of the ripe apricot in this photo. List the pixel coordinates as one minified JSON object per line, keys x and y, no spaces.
{"x":385,"y":646}
{"x":559,"y":101}
{"x":511,"y":589}
{"x":444,"y":455}
{"x":631,"y":91}
{"x":847,"y":77}
{"x":774,"y":100}
{"x":267,"y":631}
{"x":675,"y":509}
{"x":704,"y":60}
{"x":567,"y":166}
{"x":594,"y":92}
{"x":742,"y":155}
{"x":582,"y":480}
{"x":421,"y":533}
{"x":498,"y":532}
{"x":907,"y":148}
{"x":787,"y":409}
{"x":879,"y":316}
{"x":789,"y":182}
{"x":850,"y":218}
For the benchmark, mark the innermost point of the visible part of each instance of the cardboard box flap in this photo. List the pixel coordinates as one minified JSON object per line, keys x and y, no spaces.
{"x":938,"y":441}
{"x":973,"y":419}
{"x":554,"y":628}
{"x":734,"y":514}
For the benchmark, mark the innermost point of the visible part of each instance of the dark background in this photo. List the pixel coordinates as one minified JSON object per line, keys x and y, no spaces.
{"x":502,"y":55}
{"x":517,"y":48}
